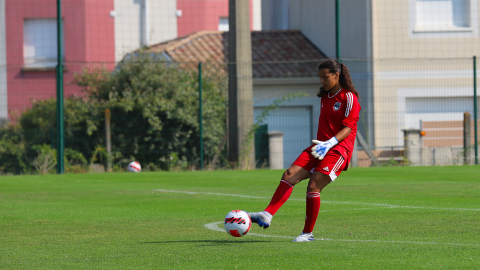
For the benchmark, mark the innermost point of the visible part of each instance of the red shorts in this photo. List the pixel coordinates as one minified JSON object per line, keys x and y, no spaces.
{"x":332,"y":164}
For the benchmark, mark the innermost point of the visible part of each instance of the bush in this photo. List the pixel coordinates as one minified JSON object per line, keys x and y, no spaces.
{"x":154,"y":116}
{"x":12,"y":151}
{"x":154,"y":110}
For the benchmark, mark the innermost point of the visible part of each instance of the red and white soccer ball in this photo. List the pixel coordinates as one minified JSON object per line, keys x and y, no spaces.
{"x":237,"y":223}
{"x":134,"y":167}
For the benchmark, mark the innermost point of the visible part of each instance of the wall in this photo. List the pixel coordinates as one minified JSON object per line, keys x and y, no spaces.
{"x":394,"y":38}
{"x":427,"y":81}
{"x":163,"y":21}
{"x":316,"y":19}
{"x":3,"y":66}
{"x":411,"y":65}
{"x":128,"y":29}
{"x":256,"y":15}
{"x":200,"y":15}
{"x":130,"y":23}
{"x":88,"y":34}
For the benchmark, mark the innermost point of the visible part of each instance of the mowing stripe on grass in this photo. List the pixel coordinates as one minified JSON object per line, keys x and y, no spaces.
{"x":214,"y":227}
{"x":375,"y":204}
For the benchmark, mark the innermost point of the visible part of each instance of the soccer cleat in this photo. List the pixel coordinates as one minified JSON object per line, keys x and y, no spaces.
{"x":263,"y":219}
{"x":304,"y":237}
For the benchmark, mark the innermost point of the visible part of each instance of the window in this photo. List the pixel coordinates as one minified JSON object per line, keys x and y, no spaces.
{"x":443,"y":18}
{"x":442,"y":14}
{"x":40,"y":43}
{"x":223,"y":24}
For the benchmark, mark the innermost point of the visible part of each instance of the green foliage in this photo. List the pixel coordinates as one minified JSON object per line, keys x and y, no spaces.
{"x":154,"y":108}
{"x":38,"y":125}
{"x":154,"y":116}
{"x":99,"y":154}
{"x":75,"y":161}
{"x":12,"y":149}
{"x":46,"y":159}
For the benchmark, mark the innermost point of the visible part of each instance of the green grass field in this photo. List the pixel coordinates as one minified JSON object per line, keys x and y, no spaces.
{"x":370,"y":218}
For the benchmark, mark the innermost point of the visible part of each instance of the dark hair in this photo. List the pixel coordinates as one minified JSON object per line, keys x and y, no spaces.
{"x":336,"y":67}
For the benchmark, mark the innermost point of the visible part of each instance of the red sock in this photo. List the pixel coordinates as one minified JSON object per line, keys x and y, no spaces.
{"x":280,"y":196}
{"x":313,"y":207}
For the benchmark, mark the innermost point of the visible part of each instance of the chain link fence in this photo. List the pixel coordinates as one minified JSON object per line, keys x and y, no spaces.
{"x":413,"y":113}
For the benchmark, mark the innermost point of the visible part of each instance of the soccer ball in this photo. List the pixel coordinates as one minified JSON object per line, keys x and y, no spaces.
{"x":134,"y":167}
{"x":237,"y":223}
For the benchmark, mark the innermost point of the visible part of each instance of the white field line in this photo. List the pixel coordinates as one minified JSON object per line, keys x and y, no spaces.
{"x":355,"y":209}
{"x":359,"y":203}
{"x":214,"y":227}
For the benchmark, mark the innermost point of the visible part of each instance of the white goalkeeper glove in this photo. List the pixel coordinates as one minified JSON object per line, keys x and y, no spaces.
{"x":321,"y":148}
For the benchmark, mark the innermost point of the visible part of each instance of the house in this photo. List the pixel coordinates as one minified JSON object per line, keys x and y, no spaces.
{"x":411,"y":61}
{"x":95,"y":34}
{"x":146,"y":22}
{"x":283,"y":62}
{"x":30,"y":48}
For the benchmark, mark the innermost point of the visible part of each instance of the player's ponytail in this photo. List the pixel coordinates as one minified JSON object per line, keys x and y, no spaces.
{"x":345,"y":80}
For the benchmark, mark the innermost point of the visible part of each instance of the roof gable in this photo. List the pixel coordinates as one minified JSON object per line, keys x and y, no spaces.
{"x":274,"y":53}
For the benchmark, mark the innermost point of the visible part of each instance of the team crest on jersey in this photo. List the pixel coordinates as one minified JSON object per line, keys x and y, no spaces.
{"x":337,"y":105}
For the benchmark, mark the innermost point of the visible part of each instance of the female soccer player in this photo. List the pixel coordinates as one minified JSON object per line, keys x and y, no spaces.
{"x":330,"y":153}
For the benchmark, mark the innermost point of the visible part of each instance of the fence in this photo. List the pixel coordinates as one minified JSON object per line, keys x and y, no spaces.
{"x":154,"y":106}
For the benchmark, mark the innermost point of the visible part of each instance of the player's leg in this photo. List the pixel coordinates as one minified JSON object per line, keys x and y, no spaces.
{"x":290,"y":177}
{"x":301,"y":169}
{"x":316,"y":183}
{"x":325,"y":172}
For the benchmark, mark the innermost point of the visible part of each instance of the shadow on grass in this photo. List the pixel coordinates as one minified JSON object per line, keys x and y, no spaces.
{"x":207,"y":241}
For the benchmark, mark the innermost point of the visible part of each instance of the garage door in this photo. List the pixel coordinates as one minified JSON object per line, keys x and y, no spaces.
{"x":296,"y":123}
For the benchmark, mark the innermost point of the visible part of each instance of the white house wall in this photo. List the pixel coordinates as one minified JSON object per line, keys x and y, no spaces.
{"x":316,"y":20}
{"x":415,"y":71}
{"x":394,"y":36}
{"x":257,"y":15}
{"x":415,"y":90}
{"x":130,"y":23}
{"x":163,"y":21}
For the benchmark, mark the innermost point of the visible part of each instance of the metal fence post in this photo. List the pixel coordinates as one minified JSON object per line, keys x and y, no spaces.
{"x":475,"y":119}
{"x":59,"y":79}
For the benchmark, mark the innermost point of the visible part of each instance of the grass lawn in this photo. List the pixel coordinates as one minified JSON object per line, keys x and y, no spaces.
{"x":370,"y":218}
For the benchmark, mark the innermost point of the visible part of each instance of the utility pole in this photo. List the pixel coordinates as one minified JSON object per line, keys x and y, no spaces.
{"x":240,"y":104}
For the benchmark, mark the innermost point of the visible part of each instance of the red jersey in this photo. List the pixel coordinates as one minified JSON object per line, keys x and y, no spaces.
{"x":339,"y":110}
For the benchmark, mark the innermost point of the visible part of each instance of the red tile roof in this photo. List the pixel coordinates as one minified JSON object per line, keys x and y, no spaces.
{"x":274,"y":53}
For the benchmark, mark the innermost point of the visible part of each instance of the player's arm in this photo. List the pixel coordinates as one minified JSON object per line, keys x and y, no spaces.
{"x":321,"y":148}
{"x":342,"y":134}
